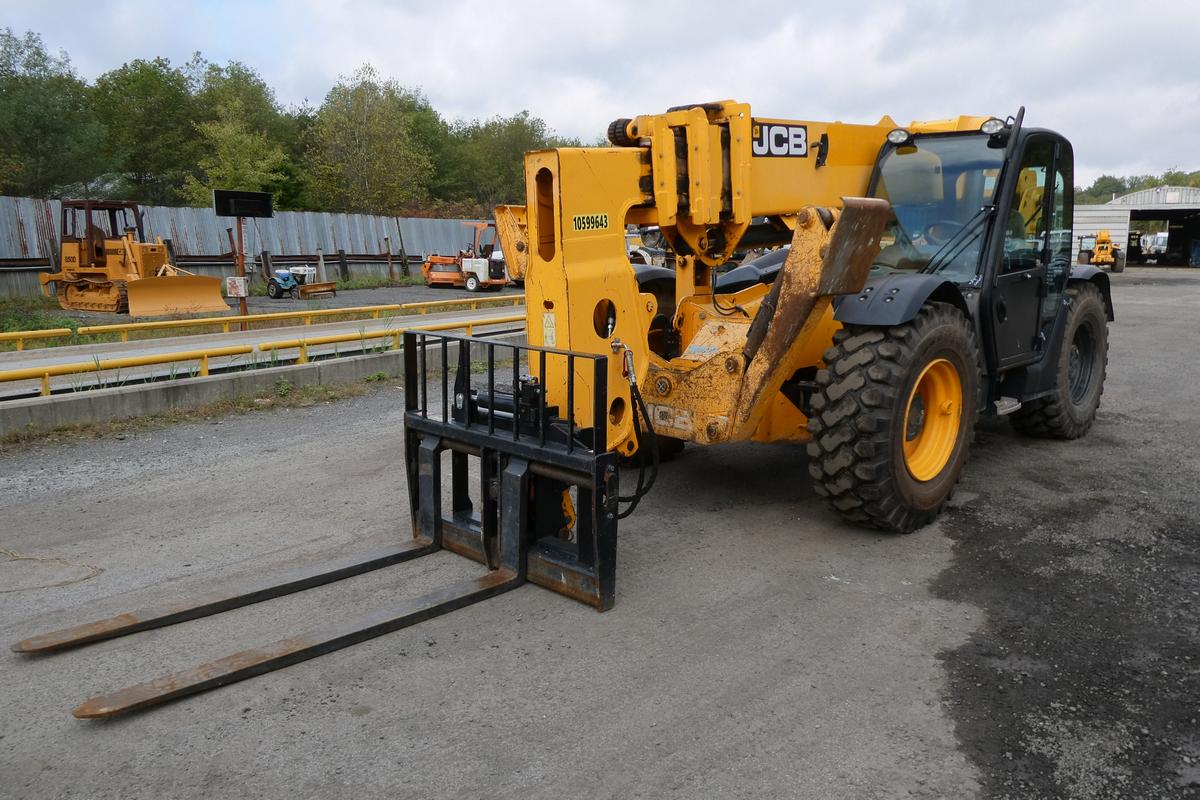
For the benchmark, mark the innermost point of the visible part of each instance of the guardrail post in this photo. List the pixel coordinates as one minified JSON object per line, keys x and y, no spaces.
{"x":396,"y":338}
{"x":470,"y":329}
{"x":225,"y":328}
{"x":303,"y":357}
{"x":204,"y":366}
{"x":46,"y":385}
{"x":21,"y":343}
{"x":124,"y":336}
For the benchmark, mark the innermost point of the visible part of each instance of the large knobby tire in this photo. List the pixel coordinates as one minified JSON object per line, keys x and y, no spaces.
{"x":878,"y":454}
{"x":1068,"y":412}
{"x":1118,"y":264}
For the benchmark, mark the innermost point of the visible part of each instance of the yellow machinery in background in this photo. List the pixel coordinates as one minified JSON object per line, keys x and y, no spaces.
{"x":921,"y":278}
{"x":1102,"y":252}
{"x":106,"y":265}
{"x":514,"y":240}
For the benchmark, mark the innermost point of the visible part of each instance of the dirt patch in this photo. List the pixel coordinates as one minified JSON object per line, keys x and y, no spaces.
{"x":1083,"y":682}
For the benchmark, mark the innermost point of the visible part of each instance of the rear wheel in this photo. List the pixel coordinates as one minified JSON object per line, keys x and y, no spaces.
{"x":472,"y":283}
{"x":1085,"y":256}
{"x":1118,"y":264}
{"x":1069,"y":411}
{"x":893,"y":418}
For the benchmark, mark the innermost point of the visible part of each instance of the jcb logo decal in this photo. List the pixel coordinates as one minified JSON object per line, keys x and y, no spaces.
{"x":779,"y":140}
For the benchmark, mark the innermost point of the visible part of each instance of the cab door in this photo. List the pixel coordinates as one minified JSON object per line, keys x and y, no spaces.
{"x":1022,"y":274}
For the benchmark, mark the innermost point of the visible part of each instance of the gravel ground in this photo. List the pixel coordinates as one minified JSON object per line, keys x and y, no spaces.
{"x":1085,"y":681}
{"x":1039,"y":641}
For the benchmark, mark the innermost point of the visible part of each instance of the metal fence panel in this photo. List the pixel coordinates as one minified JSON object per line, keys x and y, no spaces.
{"x":29,"y":229}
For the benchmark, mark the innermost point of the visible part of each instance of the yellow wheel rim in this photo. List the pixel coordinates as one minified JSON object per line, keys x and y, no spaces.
{"x":931,"y":419}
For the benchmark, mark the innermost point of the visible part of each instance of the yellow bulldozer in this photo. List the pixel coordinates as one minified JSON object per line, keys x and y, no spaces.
{"x":106,"y":265}
{"x":921,"y":277}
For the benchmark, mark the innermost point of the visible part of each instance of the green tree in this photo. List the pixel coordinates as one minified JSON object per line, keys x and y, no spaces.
{"x":364,"y":155}
{"x":238,"y":158}
{"x":149,"y":113}
{"x":50,"y":140}
{"x":487,"y":159}
{"x":215,"y":87}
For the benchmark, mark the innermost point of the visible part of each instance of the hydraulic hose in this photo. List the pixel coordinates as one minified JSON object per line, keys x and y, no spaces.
{"x":651,"y":438}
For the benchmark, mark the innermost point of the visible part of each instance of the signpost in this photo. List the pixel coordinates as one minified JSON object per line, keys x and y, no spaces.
{"x":241,"y":205}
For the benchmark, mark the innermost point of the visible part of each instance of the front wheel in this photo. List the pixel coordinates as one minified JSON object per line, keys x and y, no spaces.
{"x":472,"y":283}
{"x":1118,"y":264}
{"x":1068,"y":411}
{"x":893,"y":418}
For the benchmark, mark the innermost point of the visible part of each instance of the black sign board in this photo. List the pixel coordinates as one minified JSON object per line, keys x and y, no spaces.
{"x":242,"y":204}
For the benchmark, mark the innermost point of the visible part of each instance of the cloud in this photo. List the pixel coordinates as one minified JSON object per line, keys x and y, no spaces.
{"x":1121,"y":80}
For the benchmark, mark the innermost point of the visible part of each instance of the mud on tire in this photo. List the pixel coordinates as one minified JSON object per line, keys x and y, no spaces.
{"x":1068,"y":412}
{"x":859,"y":416}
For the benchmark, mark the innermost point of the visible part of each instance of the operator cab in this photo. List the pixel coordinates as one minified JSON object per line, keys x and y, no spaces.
{"x":941,"y":188}
{"x":990,"y":211}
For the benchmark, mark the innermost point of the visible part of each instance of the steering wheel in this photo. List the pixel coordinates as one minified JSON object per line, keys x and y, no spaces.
{"x":941,"y":231}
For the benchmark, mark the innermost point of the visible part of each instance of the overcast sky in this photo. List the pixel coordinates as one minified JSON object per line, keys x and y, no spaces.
{"x":1120,"y":79}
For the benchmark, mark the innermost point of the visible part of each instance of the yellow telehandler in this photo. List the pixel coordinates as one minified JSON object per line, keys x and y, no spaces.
{"x":1100,"y":251}
{"x":106,"y":265}
{"x":922,"y":277}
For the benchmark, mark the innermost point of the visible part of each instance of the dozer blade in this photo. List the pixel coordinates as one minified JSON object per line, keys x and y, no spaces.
{"x":172,"y":295}
{"x":286,"y":652}
{"x":215,"y":602}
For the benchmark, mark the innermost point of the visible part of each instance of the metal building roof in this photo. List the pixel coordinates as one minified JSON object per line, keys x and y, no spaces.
{"x":1160,"y":197}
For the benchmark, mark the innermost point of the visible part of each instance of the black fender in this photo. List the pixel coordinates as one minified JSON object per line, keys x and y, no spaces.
{"x":1086,"y":273}
{"x":645,"y":274}
{"x":895,"y":299}
{"x":763,"y":269}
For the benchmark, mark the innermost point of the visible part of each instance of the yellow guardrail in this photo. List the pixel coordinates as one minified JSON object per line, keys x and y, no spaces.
{"x":124,"y":328}
{"x":45,"y":333}
{"x":105,"y":364}
{"x":44,"y":373}
{"x":395,"y":335}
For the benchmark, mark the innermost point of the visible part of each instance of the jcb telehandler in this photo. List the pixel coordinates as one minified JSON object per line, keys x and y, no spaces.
{"x":1100,"y":251}
{"x":106,"y":265}
{"x":928,"y":281}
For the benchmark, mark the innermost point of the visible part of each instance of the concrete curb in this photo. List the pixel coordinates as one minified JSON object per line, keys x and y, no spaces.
{"x":102,"y":405}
